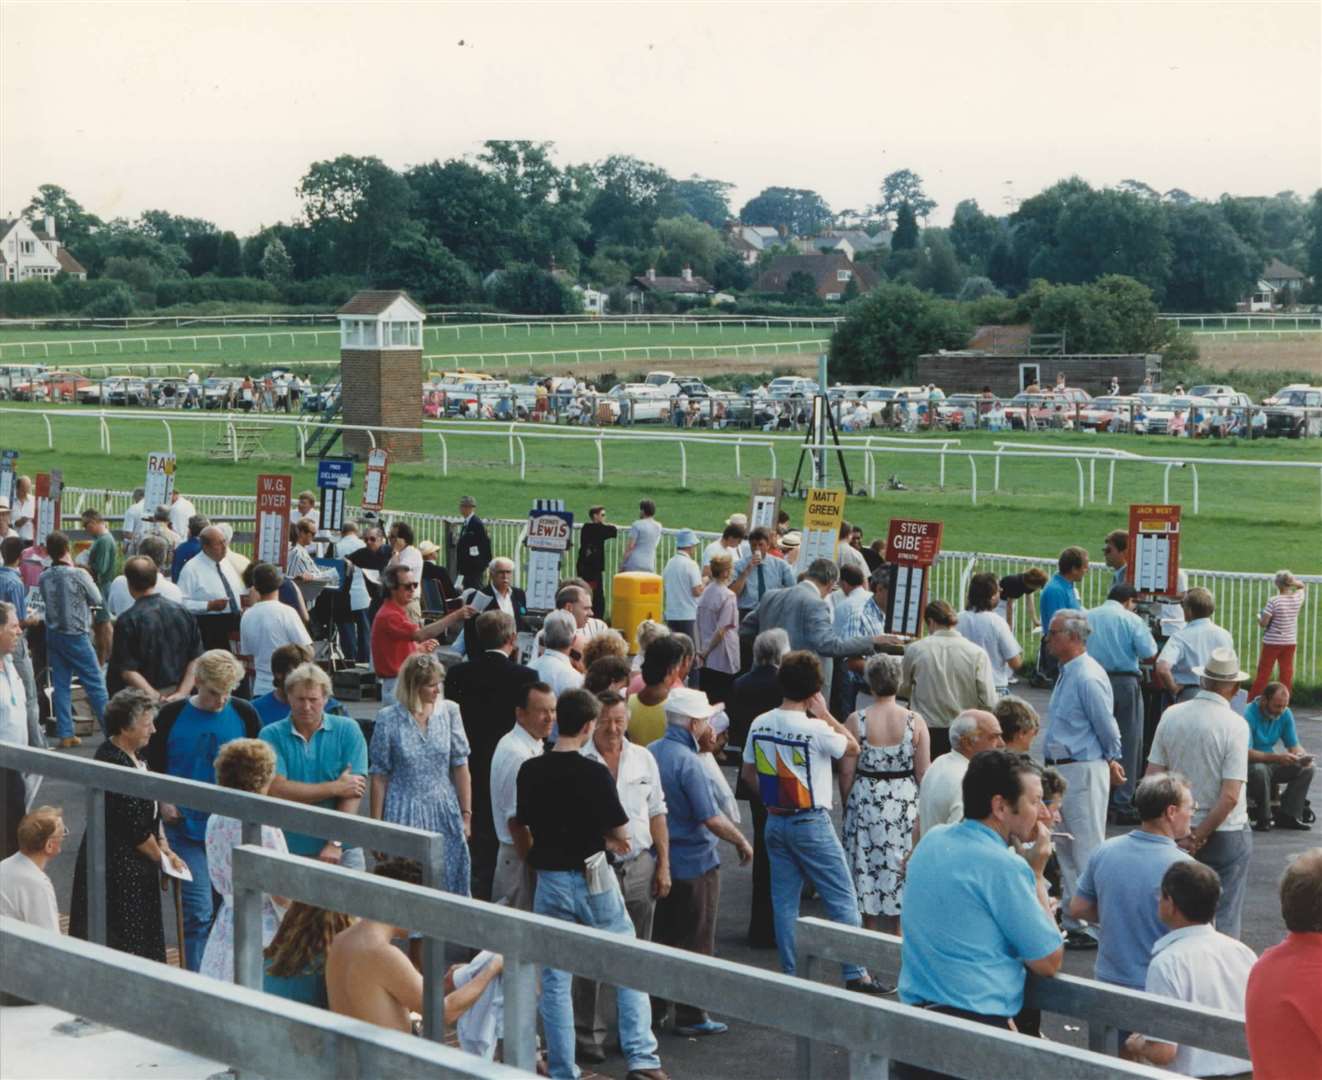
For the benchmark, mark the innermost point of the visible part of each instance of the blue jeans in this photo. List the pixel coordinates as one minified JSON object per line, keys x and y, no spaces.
{"x":70,"y":655}
{"x":356,"y":637}
{"x":804,"y":846}
{"x":563,"y":894}
{"x":195,"y":895}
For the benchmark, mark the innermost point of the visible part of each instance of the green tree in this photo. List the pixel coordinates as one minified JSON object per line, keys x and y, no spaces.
{"x":139,"y":274}
{"x":199,"y":238}
{"x":904,"y":187}
{"x":1114,"y":314}
{"x":476,"y":214}
{"x":801,"y":287}
{"x":427,"y":269}
{"x":799,"y":211}
{"x":885,"y":331}
{"x":524,"y":166}
{"x":905,"y":237}
{"x":731,"y":272}
{"x":706,"y":200}
{"x":1108,"y":232}
{"x":977,"y":288}
{"x":941,"y":272}
{"x":1211,"y":266}
{"x":529,"y":290}
{"x":1314,"y":261}
{"x":630,"y":196}
{"x":277,"y":267}
{"x":359,"y":205}
{"x":120,"y":238}
{"x":973,"y":233}
{"x":229,"y":257}
{"x":73,"y":224}
{"x":687,"y":241}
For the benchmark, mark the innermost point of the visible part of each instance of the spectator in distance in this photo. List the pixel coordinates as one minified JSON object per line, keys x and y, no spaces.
{"x":716,"y":632}
{"x":1280,"y":633}
{"x":943,"y":674}
{"x":473,"y":545}
{"x":267,"y":625}
{"x":555,"y":666}
{"x":644,"y":536}
{"x":941,"y":792}
{"x":186,"y":550}
{"x":1270,"y":722}
{"x":70,"y":596}
{"x":1017,"y":587}
{"x":534,"y":716}
{"x":1190,"y":647}
{"x":1115,"y":553}
{"x":1059,"y":594}
{"x":982,"y":626}
{"x":663,"y":669}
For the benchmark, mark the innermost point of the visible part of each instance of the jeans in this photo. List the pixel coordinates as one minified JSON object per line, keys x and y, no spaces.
{"x":356,"y":637}
{"x":804,"y":846}
{"x":70,"y":655}
{"x":1228,"y":853}
{"x":195,"y":895}
{"x":563,"y":894}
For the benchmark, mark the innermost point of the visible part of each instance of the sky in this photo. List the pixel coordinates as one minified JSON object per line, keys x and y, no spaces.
{"x":215,"y":110}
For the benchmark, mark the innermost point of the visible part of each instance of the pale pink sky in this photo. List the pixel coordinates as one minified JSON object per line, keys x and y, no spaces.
{"x":216,"y":109}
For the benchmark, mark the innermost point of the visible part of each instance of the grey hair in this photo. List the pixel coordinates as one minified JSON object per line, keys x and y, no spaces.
{"x":6,"y":609}
{"x":1073,"y":622}
{"x":770,"y":646}
{"x":558,"y":630}
{"x":156,"y":549}
{"x":882,"y":674}
{"x":963,"y":726}
{"x":1155,"y":793}
{"x":1282,"y":578}
{"x":500,"y":562}
{"x":822,"y":571}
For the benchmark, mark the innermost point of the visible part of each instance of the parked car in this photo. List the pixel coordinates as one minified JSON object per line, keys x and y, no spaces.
{"x":1278,"y":398}
{"x":16,"y":380}
{"x":1296,"y":414}
{"x":91,"y":394}
{"x":790,"y":387}
{"x":125,"y":390}
{"x":58,"y":385}
{"x":638,"y":403}
{"x":1110,"y":413}
{"x":1195,"y":410}
{"x":1045,"y":408}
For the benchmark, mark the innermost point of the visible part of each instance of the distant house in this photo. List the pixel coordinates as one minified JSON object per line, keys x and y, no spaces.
{"x":743,"y":248}
{"x":828,"y":244}
{"x":1276,"y":283}
{"x":595,"y":302}
{"x":28,"y":253}
{"x":832,"y":272}
{"x":1283,"y":277}
{"x":684,"y":285}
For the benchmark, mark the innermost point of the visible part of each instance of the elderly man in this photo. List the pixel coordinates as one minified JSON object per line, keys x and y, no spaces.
{"x":320,"y":759}
{"x":267,"y":625}
{"x":976,"y":914}
{"x":1082,"y":740}
{"x":1059,"y":594}
{"x":157,"y":642}
{"x":941,"y":794}
{"x":213,"y":589}
{"x":473,"y":545}
{"x":1270,"y":723}
{"x":500,"y":594}
{"x":395,"y":636}
{"x":185,"y":551}
{"x":644,"y":870}
{"x":26,"y":892}
{"x":555,"y":667}
{"x":686,"y":918}
{"x":118,"y":597}
{"x":681,"y":582}
{"x":1120,"y":641}
{"x":1190,"y":647}
{"x":804,"y":614}
{"x":1204,"y":739}
{"x":70,"y":595}
{"x":568,"y":814}
{"x":1282,"y":1008}
{"x":158,"y":524}
{"x":1194,"y":963}
{"x":944,"y":673}
{"x":534,"y":717}
{"x":788,"y":759}
{"x":1121,"y":884}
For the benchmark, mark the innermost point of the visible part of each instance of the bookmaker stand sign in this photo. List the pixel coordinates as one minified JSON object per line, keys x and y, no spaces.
{"x":275,"y":495}
{"x":911,"y":549}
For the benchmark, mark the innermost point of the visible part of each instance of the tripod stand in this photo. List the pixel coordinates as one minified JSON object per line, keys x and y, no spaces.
{"x":821,"y":424}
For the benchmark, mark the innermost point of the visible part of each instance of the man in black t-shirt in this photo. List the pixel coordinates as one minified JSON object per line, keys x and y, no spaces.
{"x":591,"y":564}
{"x":567,"y":811}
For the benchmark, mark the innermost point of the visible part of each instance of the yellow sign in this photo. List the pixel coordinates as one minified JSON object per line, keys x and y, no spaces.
{"x":822,"y":515}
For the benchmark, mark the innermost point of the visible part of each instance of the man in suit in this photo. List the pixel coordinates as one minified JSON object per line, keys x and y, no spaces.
{"x":803,"y":613}
{"x":473,"y":547}
{"x":503,"y":596}
{"x":487,"y":688}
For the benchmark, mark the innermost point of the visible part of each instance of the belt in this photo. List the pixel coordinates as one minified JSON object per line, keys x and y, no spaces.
{"x":781,"y":812}
{"x":1062,"y":761}
{"x":1123,"y":674}
{"x":868,"y":774}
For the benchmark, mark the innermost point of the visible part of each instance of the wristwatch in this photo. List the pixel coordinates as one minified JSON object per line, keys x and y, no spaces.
{"x":336,"y":843}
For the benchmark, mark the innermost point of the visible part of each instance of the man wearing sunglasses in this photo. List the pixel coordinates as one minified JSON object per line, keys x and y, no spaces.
{"x":395,"y":636}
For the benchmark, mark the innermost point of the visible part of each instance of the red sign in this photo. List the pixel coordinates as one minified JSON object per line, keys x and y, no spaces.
{"x":1154,"y":548}
{"x":913,"y":543}
{"x":49,"y":488}
{"x":275,"y":496}
{"x":374,"y":483}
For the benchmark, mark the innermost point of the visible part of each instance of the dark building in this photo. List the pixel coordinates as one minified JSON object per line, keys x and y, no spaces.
{"x":1009,"y":373}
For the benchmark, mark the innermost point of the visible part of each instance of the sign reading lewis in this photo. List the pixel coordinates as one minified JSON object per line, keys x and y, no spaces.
{"x":550,"y":530}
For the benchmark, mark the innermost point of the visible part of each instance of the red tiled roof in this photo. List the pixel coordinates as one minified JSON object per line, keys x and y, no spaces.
{"x":68,"y":263}
{"x":374,"y":301}
{"x":823,"y":268}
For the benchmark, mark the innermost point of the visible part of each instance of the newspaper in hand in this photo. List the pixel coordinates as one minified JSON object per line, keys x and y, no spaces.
{"x":183,"y":873}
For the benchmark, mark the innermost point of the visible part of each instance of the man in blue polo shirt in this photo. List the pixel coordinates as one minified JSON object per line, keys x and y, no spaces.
{"x":1057,"y":595}
{"x":976,"y":914}
{"x":1121,"y":884}
{"x":320,"y":759}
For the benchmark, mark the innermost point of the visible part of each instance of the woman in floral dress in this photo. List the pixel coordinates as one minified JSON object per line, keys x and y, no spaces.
{"x":420,"y":766}
{"x":881,"y":795}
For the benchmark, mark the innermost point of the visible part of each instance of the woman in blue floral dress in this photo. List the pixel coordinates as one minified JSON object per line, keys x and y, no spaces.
{"x":880,"y":787}
{"x":419,"y":766}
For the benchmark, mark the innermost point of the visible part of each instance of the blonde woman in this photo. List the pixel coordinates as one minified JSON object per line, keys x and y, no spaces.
{"x":245,"y":765}
{"x":296,"y":957}
{"x":189,"y":734}
{"x":419,"y":765}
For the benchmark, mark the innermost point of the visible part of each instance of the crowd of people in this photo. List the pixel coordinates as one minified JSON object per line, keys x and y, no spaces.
{"x":580,"y":775}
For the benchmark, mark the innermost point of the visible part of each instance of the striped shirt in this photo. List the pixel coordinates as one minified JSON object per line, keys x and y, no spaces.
{"x":1284,"y":611}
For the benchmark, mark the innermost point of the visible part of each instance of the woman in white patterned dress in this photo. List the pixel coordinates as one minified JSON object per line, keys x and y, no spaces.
{"x":880,"y":790}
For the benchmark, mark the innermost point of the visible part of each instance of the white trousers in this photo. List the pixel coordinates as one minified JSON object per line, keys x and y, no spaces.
{"x":1083,"y":816}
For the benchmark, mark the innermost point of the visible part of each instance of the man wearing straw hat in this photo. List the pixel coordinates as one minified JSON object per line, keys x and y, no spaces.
{"x":1208,"y":742}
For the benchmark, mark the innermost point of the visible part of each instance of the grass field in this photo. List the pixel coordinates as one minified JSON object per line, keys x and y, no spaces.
{"x":1251,"y":519}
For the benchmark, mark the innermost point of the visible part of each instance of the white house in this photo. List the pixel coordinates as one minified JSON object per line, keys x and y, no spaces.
{"x":595,"y":302}
{"x":27,"y":253}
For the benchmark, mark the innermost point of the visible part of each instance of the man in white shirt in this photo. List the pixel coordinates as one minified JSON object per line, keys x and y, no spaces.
{"x":941,"y":794}
{"x":681,"y":583}
{"x":554,"y":667}
{"x":208,"y":582}
{"x":1208,"y":742}
{"x":133,"y":517}
{"x":732,"y":542}
{"x":180,"y":511}
{"x":267,"y":625}
{"x":118,"y":597}
{"x":26,"y":893}
{"x":533,"y":720}
{"x":1190,"y":647}
{"x":23,"y":508}
{"x":1197,"y":964}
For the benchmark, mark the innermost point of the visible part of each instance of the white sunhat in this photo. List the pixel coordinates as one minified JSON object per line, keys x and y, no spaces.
{"x":690,"y":703}
{"x":1222,"y":666}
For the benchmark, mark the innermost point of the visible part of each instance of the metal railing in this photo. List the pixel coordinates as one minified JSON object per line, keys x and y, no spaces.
{"x":253,"y":811}
{"x":258,"y":1033}
{"x":584,"y":354}
{"x":1106,"y":1009}
{"x":872,"y":1030}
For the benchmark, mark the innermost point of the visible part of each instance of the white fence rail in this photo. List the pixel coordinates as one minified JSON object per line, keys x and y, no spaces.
{"x":636,"y":352}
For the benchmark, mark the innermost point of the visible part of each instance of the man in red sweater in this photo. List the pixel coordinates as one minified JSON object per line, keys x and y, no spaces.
{"x":396,"y":637}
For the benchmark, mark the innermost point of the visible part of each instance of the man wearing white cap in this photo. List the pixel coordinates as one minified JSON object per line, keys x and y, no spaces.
{"x":1208,"y":742}
{"x":681,"y":583}
{"x":686,"y":918}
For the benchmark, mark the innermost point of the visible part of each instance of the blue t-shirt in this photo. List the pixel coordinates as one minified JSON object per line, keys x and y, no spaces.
{"x":1123,"y":878}
{"x":1264,"y":734}
{"x":689,"y":803}
{"x":1058,"y":594}
{"x":195,"y":739}
{"x":270,"y":708}
{"x":971,"y":921}
{"x":336,"y":745}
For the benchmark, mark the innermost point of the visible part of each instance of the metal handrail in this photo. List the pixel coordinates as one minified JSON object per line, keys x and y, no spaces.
{"x":253,"y":811}
{"x":1105,"y":1007}
{"x":873,"y":1030}
{"x":258,"y":1033}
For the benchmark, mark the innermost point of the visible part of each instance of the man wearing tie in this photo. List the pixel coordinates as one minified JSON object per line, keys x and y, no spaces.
{"x":473,"y":546}
{"x":212,"y":588}
{"x":755,"y":576}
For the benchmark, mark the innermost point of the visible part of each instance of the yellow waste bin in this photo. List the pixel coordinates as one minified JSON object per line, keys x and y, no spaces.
{"x":636,"y":596}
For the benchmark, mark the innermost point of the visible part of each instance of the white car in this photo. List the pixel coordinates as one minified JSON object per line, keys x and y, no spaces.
{"x":638,"y":403}
{"x":789,"y":387}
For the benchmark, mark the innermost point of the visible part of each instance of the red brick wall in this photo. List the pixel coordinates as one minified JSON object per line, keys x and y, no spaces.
{"x":383,"y":388}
